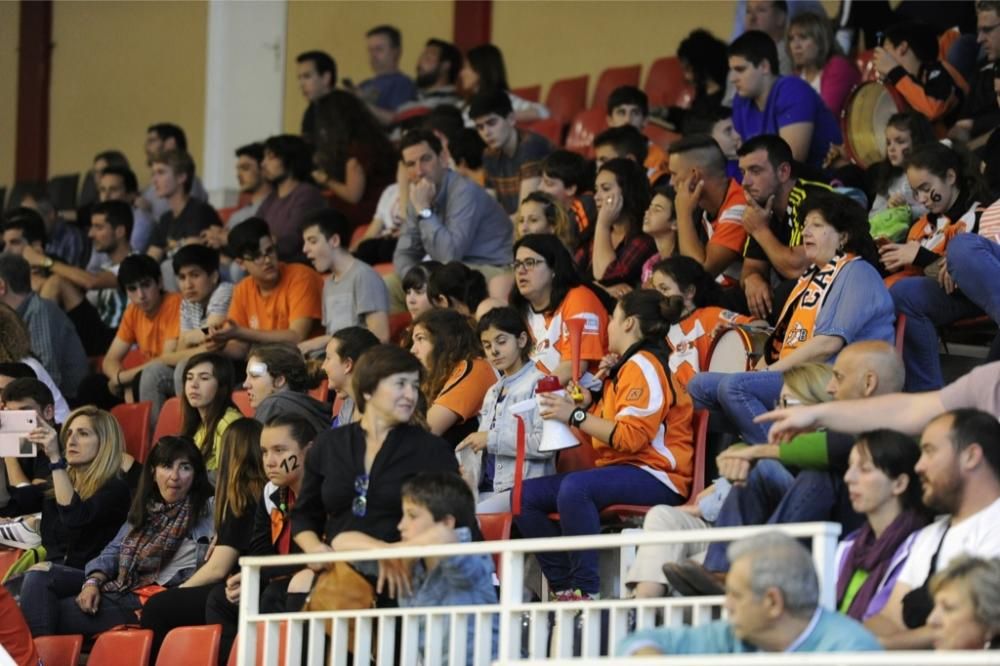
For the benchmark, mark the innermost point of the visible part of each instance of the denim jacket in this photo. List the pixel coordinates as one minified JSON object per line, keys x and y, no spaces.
{"x":462,"y":580}
{"x":201,"y":534}
{"x":497,"y":419}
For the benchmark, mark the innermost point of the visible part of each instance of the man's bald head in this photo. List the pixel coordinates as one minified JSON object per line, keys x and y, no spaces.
{"x":865,"y":369}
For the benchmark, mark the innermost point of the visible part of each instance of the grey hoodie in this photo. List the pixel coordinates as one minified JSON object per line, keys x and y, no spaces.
{"x":300,"y":404}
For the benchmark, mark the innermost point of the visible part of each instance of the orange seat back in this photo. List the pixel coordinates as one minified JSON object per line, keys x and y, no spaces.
{"x":134,"y":420}
{"x":169,"y":422}
{"x":123,"y":648}
{"x":59,"y":650}
{"x":191,"y":646}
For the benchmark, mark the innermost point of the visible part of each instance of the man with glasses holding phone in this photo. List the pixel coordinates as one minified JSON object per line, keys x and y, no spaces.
{"x":276,"y":302}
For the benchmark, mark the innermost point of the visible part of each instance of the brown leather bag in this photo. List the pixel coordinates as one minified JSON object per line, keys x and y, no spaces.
{"x":340,"y":587}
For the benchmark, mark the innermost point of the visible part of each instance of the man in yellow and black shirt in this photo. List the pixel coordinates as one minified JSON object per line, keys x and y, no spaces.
{"x":773,"y":220}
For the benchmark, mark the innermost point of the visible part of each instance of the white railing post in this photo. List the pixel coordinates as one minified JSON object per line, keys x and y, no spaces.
{"x":249,"y":606}
{"x":824,"y":552}
{"x":511,"y":595}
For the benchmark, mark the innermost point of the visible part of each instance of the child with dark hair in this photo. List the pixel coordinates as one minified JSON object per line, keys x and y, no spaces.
{"x":342,"y":352}
{"x":457,"y":287}
{"x":906,"y":131}
{"x":620,"y":247}
{"x":569,"y":178}
{"x":415,"y":287}
{"x":507,"y":344}
{"x":438,"y":508}
{"x":627,"y":105}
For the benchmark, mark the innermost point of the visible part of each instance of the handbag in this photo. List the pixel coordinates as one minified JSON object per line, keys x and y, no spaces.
{"x":340,"y":587}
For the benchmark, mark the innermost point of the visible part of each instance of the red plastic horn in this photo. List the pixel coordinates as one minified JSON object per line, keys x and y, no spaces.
{"x":575,"y":328}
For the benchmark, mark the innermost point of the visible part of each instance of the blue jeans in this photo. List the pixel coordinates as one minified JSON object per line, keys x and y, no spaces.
{"x":48,"y":601}
{"x":773,"y":496}
{"x":579,"y":498}
{"x":742,"y":396}
{"x":974,"y":263}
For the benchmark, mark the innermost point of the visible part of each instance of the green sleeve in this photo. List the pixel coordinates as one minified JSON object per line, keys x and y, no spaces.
{"x":808,"y":451}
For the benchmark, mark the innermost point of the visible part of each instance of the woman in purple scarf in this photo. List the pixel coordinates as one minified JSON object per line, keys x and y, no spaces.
{"x":883,"y":486}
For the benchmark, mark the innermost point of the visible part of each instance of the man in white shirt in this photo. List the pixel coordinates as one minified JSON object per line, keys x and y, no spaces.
{"x":959,"y":469}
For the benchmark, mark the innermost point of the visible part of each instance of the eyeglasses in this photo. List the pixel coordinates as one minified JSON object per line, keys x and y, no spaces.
{"x":986,"y":30}
{"x":259,"y":257}
{"x":526,"y":264}
{"x":785,"y":402}
{"x":359,"y":507}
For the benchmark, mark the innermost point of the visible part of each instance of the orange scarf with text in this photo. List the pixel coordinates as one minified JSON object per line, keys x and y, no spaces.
{"x":797,"y":322}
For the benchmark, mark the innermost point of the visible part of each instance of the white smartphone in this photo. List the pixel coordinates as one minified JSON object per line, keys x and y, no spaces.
{"x":14,"y":427}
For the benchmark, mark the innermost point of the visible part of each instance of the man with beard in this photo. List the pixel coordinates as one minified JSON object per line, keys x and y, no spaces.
{"x":437,"y":72}
{"x":773,"y":220}
{"x":93,"y":299}
{"x":959,"y":469}
{"x":287,"y":166}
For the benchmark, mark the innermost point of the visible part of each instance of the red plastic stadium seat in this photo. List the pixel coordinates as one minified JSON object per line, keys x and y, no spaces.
{"x":550,"y":128}
{"x":665,"y":84}
{"x":495,"y":527}
{"x":226,"y":213}
{"x":530,"y":93}
{"x":585,"y":126}
{"x":133,"y":358}
{"x":123,"y":648}
{"x":169,"y":422}
{"x":567,"y":97}
{"x":242,"y":401}
{"x":59,"y":650}
{"x":398,"y":321}
{"x":358,"y":234}
{"x":659,"y":135}
{"x":611,"y":78}
{"x":134,"y":420}
{"x":191,"y":646}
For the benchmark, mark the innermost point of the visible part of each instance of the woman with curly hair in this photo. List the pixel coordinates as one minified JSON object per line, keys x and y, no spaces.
{"x":354,"y":157}
{"x":458,"y":376}
{"x":620,"y":248}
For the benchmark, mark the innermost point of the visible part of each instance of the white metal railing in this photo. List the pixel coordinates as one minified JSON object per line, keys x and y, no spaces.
{"x":908,"y":658}
{"x":526,"y":630}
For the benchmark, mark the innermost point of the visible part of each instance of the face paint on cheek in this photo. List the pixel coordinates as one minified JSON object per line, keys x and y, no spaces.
{"x":290,"y":464}
{"x":936,"y":196}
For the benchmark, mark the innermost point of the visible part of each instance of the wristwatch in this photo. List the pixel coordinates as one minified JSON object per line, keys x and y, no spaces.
{"x":425,"y":213}
{"x":59,"y":464}
{"x":48,"y":262}
{"x":577,"y":417}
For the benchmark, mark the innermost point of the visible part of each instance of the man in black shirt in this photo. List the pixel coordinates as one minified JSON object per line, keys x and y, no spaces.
{"x":173,"y":175}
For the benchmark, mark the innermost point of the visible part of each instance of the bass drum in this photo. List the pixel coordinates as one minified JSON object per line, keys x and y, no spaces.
{"x":737,"y":350}
{"x":864,"y":119}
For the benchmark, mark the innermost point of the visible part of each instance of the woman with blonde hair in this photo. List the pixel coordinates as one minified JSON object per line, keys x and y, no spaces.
{"x":87,"y":499}
{"x":15,"y":347}
{"x":805,"y":384}
{"x":966,"y":613}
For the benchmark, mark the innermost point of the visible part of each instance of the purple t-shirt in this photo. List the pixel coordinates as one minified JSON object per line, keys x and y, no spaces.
{"x":790,"y":101}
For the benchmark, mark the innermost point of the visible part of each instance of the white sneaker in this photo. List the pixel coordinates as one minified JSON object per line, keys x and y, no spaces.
{"x":18,"y":535}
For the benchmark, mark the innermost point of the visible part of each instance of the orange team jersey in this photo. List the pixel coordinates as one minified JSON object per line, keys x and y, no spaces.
{"x":652,"y":423}
{"x":297,"y":296}
{"x":151,"y":333}
{"x":727,"y":230}
{"x":934,"y":236}
{"x":656,"y":163}
{"x":692,"y":338}
{"x":464,"y":391}
{"x":552,"y":337}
